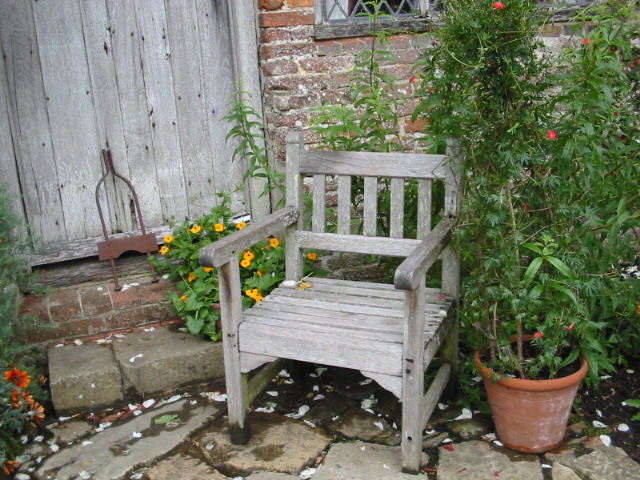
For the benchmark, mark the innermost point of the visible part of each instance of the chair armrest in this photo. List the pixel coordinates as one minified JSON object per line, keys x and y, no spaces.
{"x":413,"y":269}
{"x":220,"y":252}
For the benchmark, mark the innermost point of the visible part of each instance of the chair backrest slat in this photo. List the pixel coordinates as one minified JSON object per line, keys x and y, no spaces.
{"x":370,"y":204}
{"x":318,"y":220}
{"x":344,"y":204}
{"x":396,"y":211}
{"x":425,"y":194}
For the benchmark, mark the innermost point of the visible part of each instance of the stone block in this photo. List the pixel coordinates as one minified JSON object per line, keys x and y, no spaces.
{"x":364,"y":461}
{"x":64,"y":304}
{"x":164,"y":359}
{"x":95,"y":300}
{"x":83,"y":378}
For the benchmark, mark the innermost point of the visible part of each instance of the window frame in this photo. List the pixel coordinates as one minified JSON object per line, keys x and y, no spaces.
{"x":325,"y":30}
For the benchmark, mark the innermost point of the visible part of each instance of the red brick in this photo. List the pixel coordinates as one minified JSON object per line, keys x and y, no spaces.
{"x":299,"y":3}
{"x":279,"y":67}
{"x":95,"y":300}
{"x":36,"y":306}
{"x":277,"y":50}
{"x":64,"y":305}
{"x":66,"y":330}
{"x":297,"y":84}
{"x":271,"y":4}
{"x":290,"y":121}
{"x":139,"y":316}
{"x":155,"y":292}
{"x":126,"y":298}
{"x":552,"y":31}
{"x":269,"y":35}
{"x":284,"y":19}
{"x":418,"y":126}
{"x":327,"y":64}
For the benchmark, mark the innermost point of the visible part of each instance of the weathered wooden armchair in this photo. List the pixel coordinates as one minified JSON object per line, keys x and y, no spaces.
{"x":388,"y":332}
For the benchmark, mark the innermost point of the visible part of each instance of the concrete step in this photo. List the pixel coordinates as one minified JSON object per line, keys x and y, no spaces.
{"x":153,"y":361}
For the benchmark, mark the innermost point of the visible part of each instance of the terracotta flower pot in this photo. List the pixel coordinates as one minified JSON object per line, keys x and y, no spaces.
{"x":531,"y":415}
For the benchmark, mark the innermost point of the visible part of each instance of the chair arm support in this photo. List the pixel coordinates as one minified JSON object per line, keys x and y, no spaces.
{"x":220,"y":252}
{"x":415,"y":266}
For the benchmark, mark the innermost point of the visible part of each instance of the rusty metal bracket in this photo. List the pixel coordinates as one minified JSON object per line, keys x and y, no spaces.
{"x":112,"y":248}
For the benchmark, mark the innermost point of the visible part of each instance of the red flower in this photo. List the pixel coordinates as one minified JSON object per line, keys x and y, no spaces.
{"x":538,"y":335}
{"x":498,"y":5}
{"x":413,"y":79}
{"x":570,"y":327}
{"x":586,"y":41}
{"x":9,"y":466}
{"x":18,"y":377}
{"x":551,"y":135}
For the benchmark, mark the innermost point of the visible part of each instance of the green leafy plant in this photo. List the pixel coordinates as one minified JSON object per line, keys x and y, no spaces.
{"x":550,"y":200}
{"x":18,"y":407}
{"x":261,"y":268}
{"x":633,"y":402}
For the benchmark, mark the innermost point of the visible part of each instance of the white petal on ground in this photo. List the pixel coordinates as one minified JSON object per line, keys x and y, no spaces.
{"x":465,"y":415}
{"x":606,"y":440}
{"x":623,"y":427}
{"x":598,"y":424}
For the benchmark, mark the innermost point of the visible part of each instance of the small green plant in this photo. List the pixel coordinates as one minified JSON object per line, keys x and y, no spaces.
{"x":246,"y":127}
{"x":261,"y":268}
{"x":634,"y":402}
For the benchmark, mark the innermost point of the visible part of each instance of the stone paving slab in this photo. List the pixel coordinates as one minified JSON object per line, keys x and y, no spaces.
{"x":604,"y":463}
{"x":364,"y":461}
{"x":161,"y":360}
{"x":112,"y":453}
{"x":479,"y":460}
{"x":182,"y":467}
{"x":83,"y":378}
{"x":277,"y":444}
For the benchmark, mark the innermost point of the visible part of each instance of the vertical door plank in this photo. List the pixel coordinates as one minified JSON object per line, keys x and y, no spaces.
{"x":30,"y":123}
{"x":71,"y":111}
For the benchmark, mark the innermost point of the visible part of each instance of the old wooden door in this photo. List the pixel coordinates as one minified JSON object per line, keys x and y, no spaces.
{"x":149,"y":80}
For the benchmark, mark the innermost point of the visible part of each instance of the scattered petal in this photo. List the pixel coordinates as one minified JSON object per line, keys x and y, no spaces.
{"x":442,"y":406}
{"x":78,"y":342}
{"x":623,"y":427}
{"x":84,"y":475}
{"x":546,"y":465}
{"x":605,"y":377}
{"x":133,"y":407}
{"x":447,"y":440}
{"x":629,"y":370}
{"x":148,"y":403}
{"x":465,"y":415}
{"x":215,"y":396}
{"x":449,"y":447}
{"x":310,"y":423}
{"x":606,"y":440}
{"x":318,"y":397}
{"x":598,"y":424}
{"x":366,"y":381}
{"x":289,"y":283}
{"x":136,"y":435}
{"x":380,"y":425}
{"x":384,"y":465}
{"x":498,"y":443}
{"x":87,"y":442}
{"x":308,"y":473}
{"x":175,"y":398}
{"x":54,"y":447}
{"x":272,"y":393}
{"x":301,"y":412}
{"x":133,"y":359}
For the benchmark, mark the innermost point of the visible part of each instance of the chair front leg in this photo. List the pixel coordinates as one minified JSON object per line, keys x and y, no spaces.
{"x":237,"y":382}
{"x":413,"y":379}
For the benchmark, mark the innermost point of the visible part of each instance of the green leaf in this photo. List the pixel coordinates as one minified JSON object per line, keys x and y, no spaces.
{"x":633,"y":402}
{"x":164,"y":419}
{"x":532,"y":269}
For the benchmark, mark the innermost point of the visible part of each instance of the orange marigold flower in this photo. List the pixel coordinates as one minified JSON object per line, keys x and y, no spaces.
{"x":163,"y":250}
{"x":312,"y":256}
{"x":195,"y":229}
{"x":168,"y":238}
{"x":9,"y":466}
{"x":191,"y":277}
{"x":260,"y":273}
{"x":241,"y":225}
{"x":218,"y":227}
{"x":18,"y":377}
{"x":37,"y":412}
{"x":184,"y":298}
{"x":248,"y":255}
{"x":15,"y":399}
{"x":244,"y":263}
{"x":274,"y":242}
{"x":208,"y":269}
{"x":258,"y":298}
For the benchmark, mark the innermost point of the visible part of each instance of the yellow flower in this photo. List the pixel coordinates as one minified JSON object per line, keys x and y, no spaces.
{"x":248,"y":255}
{"x":168,"y":238}
{"x":258,"y":298}
{"x":274,"y":242}
{"x":253,"y":293}
{"x":245,"y":263}
{"x":260,"y":273}
{"x":218,"y":227}
{"x":207,"y":269}
{"x":184,"y":298}
{"x":191,"y":277}
{"x":241,"y":225}
{"x":195,"y":229}
{"x":312,"y":256}
{"x":163,"y":250}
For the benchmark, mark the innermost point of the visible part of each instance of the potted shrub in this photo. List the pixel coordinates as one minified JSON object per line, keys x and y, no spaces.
{"x":551,"y":179}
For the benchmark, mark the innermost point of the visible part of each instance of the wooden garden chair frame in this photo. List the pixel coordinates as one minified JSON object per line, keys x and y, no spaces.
{"x":388,"y":332}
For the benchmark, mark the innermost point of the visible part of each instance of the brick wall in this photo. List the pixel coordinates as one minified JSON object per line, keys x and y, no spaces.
{"x":300,"y":72}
